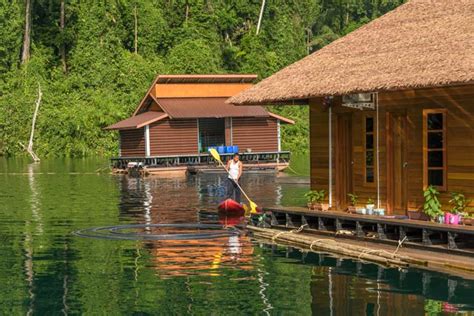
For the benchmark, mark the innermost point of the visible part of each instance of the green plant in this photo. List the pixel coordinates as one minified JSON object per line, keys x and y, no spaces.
{"x":311,"y":196}
{"x":354,"y":198}
{"x":315,"y":196}
{"x":432,"y":206}
{"x":370,"y":201}
{"x":458,"y":202}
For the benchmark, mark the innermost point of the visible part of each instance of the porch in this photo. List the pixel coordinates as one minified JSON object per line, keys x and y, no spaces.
{"x":452,"y":239}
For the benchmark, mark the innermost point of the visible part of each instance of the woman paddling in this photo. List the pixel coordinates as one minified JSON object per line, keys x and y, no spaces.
{"x":234,"y":166}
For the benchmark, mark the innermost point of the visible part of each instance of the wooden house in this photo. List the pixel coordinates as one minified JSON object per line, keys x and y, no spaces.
{"x":391,"y":106}
{"x":181,"y":116}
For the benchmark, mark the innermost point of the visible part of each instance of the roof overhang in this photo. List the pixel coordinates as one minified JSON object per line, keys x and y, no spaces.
{"x":230,"y":78}
{"x":138,"y":121}
{"x":421,"y":44}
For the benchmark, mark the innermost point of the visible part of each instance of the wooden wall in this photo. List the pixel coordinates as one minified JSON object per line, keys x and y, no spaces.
{"x":174,"y":137}
{"x":257,"y":134}
{"x":132,"y":142}
{"x":459,"y":104}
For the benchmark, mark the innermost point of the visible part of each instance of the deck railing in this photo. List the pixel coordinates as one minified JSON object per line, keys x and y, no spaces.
{"x":200,"y":159}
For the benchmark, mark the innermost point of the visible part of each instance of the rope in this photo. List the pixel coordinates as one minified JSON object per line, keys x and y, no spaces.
{"x":293,"y":231}
{"x":400,"y":244}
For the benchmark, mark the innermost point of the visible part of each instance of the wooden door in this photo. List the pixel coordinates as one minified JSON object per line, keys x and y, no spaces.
{"x":343,"y":159}
{"x":397,"y":124}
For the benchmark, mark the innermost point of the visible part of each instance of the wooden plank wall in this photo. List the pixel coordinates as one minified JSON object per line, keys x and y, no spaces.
{"x":459,"y":103}
{"x":257,"y":134}
{"x":132,"y":143}
{"x":174,"y":137}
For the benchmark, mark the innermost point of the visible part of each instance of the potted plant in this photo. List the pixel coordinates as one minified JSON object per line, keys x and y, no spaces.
{"x":322,"y":206}
{"x":458,"y":202}
{"x":432,"y":206}
{"x":311,"y":197}
{"x":354,"y":199}
{"x":370,"y":206}
{"x":468,"y":219}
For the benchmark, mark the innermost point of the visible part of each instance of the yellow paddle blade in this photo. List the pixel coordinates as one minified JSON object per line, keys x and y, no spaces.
{"x":215,"y":154}
{"x":253,"y":207}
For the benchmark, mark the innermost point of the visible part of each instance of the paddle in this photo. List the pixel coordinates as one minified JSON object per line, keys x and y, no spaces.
{"x":215,"y":154}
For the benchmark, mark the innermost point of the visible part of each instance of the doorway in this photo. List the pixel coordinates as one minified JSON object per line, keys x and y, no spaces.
{"x":397,"y":141}
{"x":343,"y":159}
{"x":211,"y":133}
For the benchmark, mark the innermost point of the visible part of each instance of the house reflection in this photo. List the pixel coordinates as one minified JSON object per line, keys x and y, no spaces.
{"x":178,"y":200}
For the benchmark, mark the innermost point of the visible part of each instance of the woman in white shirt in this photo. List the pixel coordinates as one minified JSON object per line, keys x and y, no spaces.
{"x":234,"y":166}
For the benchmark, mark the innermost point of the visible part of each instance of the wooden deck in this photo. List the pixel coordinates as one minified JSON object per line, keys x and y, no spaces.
{"x":455,"y":239}
{"x":276,"y":161}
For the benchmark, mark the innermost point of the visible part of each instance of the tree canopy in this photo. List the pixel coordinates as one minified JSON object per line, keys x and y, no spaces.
{"x":95,"y":59}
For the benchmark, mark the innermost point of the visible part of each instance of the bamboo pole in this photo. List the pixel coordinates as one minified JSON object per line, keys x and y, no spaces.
{"x":330,"y":245}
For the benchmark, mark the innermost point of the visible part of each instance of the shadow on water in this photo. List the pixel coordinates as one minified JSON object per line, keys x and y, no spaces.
{"x":45,"y":269}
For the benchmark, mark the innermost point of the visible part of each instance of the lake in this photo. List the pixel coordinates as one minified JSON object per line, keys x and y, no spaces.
{"x":46,"y":269}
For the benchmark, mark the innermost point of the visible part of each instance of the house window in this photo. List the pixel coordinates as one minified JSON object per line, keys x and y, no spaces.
{"x":369,"y":149}
{"x":434,"y":148}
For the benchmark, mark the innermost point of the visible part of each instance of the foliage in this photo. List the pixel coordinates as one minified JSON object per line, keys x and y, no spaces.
{"x":458,"y":202}
{"x":315,"y":196}
{"x":370,"y":201}
{"x":354,"y":198}
{"x":432,"y":206}
{"x":105,"y":77}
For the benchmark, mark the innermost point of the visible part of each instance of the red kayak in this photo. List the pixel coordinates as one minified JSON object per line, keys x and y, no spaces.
{"x":230,"y":206}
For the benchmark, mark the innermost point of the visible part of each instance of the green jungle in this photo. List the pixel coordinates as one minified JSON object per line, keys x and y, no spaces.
{"x":94,"y":60}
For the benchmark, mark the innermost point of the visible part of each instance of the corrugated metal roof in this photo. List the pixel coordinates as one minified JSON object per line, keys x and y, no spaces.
{"x":243,"y":78}
{"x":208,"y":107}
{"x":139,"y":120}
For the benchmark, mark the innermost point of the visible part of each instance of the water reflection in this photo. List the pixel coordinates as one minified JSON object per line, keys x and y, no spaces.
{"x":47,"y":270}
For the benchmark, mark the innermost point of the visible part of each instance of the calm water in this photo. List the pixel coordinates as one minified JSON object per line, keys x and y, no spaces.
{"x":45,"y":269}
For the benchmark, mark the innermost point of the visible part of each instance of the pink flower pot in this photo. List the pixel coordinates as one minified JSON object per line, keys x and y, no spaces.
{"x":452,"y":219}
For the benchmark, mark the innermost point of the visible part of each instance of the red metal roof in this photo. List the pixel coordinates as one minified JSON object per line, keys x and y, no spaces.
{"x":138,"y":121}
{"x":208,"y":107}
{"x":237,"y":78}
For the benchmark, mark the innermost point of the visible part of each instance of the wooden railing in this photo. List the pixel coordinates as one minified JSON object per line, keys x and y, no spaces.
{"x":200,"y":159}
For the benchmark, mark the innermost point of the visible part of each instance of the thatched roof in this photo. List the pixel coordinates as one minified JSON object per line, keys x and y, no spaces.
{"x":423,"y":43}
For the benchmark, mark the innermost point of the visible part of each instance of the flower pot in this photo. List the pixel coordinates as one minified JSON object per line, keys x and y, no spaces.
{"x":351,"y":209}
{"x":452,"y":219}
{"x":324,"y":206}
{"x":318,"y":206}
{"x":468,"y":221}
{"x":441,"y":219}
{"x":379,"y":211}
{"x":417,"y":215}
{"x":370,"y":209}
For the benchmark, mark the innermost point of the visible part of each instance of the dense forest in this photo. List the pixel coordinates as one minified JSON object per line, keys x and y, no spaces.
{"x":95,"y":59}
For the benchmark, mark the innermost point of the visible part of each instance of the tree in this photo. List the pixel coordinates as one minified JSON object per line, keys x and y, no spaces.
{"x":25,"y":54}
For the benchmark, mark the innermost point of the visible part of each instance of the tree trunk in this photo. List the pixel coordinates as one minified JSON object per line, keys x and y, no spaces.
{"x":260,"y":16}
{"x":135,"y":41}
{"x":25,"y":55}
{"x":62,"y":48}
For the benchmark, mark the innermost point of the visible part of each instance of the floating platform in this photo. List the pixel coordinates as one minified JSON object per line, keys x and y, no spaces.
{"x":180,"y":165}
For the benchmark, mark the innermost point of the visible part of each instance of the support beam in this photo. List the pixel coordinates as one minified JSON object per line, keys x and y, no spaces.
{"x":147,"y":140}
{"x":330,"y":155}
{"x":279,"y":134}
